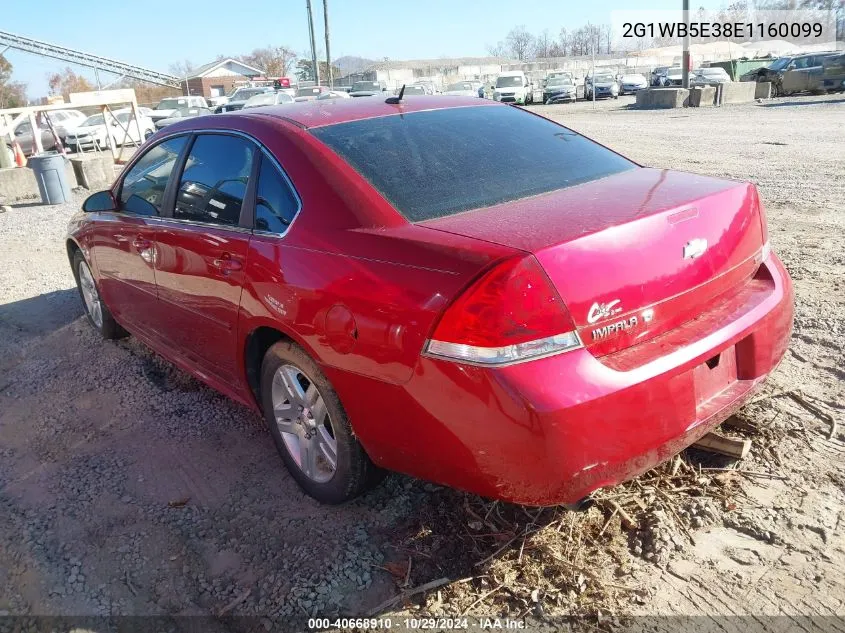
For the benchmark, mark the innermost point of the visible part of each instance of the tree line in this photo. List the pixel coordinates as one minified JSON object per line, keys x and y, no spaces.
{"x":521,"y":44}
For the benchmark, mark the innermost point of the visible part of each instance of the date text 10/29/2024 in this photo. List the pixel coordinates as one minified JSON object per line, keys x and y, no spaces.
{"x":430,"y":624}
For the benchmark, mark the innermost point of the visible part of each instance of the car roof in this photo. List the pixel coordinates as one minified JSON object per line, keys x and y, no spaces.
{"x":308,"y":114}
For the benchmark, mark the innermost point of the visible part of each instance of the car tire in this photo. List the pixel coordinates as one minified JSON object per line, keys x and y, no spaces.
{"x":310,"y":427}
{"x":96,"y":310}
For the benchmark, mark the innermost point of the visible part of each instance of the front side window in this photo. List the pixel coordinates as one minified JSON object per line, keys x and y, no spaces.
{"x":435,"y":163}
{"x":275,"y":203}
{"x":213,"y":183}
{"x":142,"y":191}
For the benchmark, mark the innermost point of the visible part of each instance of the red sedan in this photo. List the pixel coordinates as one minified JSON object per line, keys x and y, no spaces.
{"x":451,"y":288}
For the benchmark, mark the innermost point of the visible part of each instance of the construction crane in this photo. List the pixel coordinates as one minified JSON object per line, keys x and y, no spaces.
{"x":10,"y":40}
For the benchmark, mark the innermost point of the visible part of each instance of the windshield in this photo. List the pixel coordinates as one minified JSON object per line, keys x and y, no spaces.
{"x":674,"y":72}
{"x":171,"y":104}
{"x":414,"y":90}
{"x":96,"y":119}
{"x":603,"y":79}
{"x":435,"y":163}
{"x":462,"y":85}
{"x":559,"y":81}
{"x":243,"y":94}
{"x":366,"y":85}
{"x":712,"y":72}
{"x":307,"y":92}
{"x":508,"y":82}
{"x":260,"y":100}
{"x":780,"y":64}
{"x":633,"y":78}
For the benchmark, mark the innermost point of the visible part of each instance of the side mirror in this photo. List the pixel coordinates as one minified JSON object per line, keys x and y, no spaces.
{"x":791,"y":66}
{"x":100,"y":201}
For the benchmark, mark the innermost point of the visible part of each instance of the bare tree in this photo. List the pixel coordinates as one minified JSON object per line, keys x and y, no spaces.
{"x":520,"y":42}
{"x":543,"y":44}
{"x":275,"y":61}
{"x":181,"y":69}
{"x":565,"y":40}
{"x":499,"y":49}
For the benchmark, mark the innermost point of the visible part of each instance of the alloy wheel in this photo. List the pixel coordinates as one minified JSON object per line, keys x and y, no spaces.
{"x":90,"y":294}
{"x":304,"y":423}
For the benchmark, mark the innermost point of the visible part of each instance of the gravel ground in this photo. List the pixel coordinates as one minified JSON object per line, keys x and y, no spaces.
{"x":127,"y":487}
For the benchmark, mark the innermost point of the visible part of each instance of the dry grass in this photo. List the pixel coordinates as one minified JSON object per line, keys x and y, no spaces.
{"x":492,"y":558}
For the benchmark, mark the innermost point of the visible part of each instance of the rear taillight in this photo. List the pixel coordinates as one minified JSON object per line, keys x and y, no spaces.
{"x":512,"y":313}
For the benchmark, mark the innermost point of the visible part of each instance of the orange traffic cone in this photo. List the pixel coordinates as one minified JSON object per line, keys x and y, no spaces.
{"x":20,"y":159}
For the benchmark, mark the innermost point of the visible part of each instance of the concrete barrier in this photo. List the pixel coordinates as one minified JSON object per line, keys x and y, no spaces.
{"x":738,"y":92}
{"x":662,"y":98}
{"x":94,"y":171}
{"x":18,"y":183}
{"x":702,"y":97}
{"x":763,"y":90}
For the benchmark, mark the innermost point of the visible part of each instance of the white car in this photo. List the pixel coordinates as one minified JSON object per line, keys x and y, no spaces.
{"x":93,"y":133}
{"x":462,"y":89}
{"x":65,"y":121}
{"x":267,"y":98}
{"x":710,"y":77}
{"x":629,"y":84}
{"x":334,"y":94}
{"x":166,"y":107}
{"x":513,"y":87}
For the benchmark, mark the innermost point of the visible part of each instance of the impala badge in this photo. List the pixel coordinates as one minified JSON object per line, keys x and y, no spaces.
{"x":599,"y":311}
{"x":695,"y":248}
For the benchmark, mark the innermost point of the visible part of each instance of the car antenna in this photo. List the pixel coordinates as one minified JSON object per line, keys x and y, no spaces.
{"x":397,"y":98}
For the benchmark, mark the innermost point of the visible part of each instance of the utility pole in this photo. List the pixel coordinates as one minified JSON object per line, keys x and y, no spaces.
{"x":593,"y":72}
{"x":328,"y":54}
{"x":313,"y":43}
{"x":685,"y":69}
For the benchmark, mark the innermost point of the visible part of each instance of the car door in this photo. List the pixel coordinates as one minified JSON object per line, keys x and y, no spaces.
{"x":202,"y":248}
{"x":123,"y":242}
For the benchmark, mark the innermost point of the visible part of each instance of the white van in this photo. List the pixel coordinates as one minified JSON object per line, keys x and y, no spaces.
{"x":513,"y":87}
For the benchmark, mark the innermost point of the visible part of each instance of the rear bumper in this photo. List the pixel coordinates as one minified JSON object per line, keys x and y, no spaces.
{"x":554,"y":430}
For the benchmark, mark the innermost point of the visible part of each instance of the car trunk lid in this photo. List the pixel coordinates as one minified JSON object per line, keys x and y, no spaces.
{"x":634,"y":254}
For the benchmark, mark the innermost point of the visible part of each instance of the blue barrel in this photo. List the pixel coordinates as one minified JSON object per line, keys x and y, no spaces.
{"x":51,"y":176}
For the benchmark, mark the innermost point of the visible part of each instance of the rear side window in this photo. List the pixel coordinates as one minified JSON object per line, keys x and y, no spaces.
{"x":143,"y":187}
{"x":213,"y":183}
{"x":440,"y":162}
{"x":275,"y":203}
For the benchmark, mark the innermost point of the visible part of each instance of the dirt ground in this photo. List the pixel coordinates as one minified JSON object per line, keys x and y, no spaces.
{"x":128,"y":488}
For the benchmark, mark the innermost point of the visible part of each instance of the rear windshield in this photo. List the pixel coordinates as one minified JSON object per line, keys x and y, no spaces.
{"x":440,"y":162}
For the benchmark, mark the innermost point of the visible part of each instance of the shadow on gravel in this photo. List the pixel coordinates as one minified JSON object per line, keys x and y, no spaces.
{"x":42,"y":314}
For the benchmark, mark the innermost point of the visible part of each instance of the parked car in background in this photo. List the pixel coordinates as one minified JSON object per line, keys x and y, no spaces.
{"x":788,"y":75}
{"x":674,"y":77}
{"x":310,"y":93}
{"x":240,"y":97}
{"x":559,"y":89}
{"x":366,"y":89}
{"x":430,"y":87}
{"x":63,"y":122}
{"x":513,"y":87}
{"x":554,"y":74}
{"x":658,"y":75}
{"x":604,"y":85}
{"x":119,"y":128}
{"x":413,"y":89}
{"x":166,"y":107}
{"x":333,"y":94}
{"x":542,"y":328}
{"x":709,"y":77}
{"x":833,"y":74}
{"x":629,"y":84}
{"x":275,"y":97}
{"x":181,"y":114}
{"x":462,"y":89}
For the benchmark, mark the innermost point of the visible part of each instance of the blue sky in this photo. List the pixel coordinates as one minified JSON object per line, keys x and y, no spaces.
{"x":156,"y":34}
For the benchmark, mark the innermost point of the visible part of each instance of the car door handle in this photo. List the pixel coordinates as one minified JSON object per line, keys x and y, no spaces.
{"x":226,"y":264}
